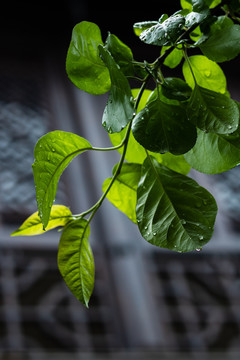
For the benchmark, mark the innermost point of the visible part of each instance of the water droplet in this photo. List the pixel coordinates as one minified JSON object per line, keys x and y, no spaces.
{"x":230,"y":127}
{"x":201,"y":237}
{"x":198,"y":204}
{"x":207,"y":73}
{"x":145,"y":227}
{"x":183,"y":221}
{"x":53,"y":150}
{"x":154,"y":234}
{"x":205,"y":202}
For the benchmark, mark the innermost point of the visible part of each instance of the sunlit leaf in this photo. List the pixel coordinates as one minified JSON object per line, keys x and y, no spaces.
{"x":123,"y":193}
{"x":207,"y":73}
{"x":60,"y":215}
{"x":53,"y":152}
{"x":173,"y":211}
{"x":75,"y":260}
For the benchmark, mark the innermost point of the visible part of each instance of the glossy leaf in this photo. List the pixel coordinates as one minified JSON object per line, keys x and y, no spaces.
{"x":60,"y":215}
{"x":207,"y":73}
{"x":223,"y":45}
{"x":53,"y":152}
{"x":123,"y":193}
{"x":162,"y":128}
{"x":173,"y":211}
{"x":121,"y":53}
{"x":165,"y":33}
{"x":83,"y":64}
{"x":213,"y":112}
{"x":119,"y":109}
{"x":139,"y":27}
{"x":75,"y":260}
{"x":213,"y":153}
{"x":176,"y":88}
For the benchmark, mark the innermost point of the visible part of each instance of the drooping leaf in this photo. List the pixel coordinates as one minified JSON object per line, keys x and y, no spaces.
{"x":121,"y":53}
{"x":173,"y":211}
{"x":162,"y":128}
{"x":75,"y":260}
{"x":165,"y":33}
{"x":213,"y":153}
{"x":223,"y":45}
{"x":83,"y":65}
{"x":123,"y":193}
{"x":53,"y":152}
{"x":207,"y":73}
{"x":60,"y":215}
{"x":119,"y":109}
{"x":176,"y":88}
{"x":213,"y":112}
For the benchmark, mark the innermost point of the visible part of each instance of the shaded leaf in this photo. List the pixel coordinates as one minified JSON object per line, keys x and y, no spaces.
{"x":83,"y":64}
{"x":173,"y":211}
{"x":175,"y":88}
{"x":60,"y":215}
{"x":162,"y":128}
{"x":213,"y":153}
{"x":123,"y":193}
{"x":213,"y":112}
{"x":75,"y":260}
{"x":53,"y":152}
{"x":119,"y":109}
{"x":222,"y":45}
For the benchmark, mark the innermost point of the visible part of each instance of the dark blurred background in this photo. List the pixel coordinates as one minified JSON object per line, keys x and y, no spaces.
{"x":147,"y":303}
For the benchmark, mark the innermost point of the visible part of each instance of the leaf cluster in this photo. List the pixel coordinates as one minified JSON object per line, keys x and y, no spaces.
{"x":187,"y":121}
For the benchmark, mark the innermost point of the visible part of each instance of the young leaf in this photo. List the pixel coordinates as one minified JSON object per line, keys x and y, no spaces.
{"x":83,"y":65}
{"x":165,"y":33}
{"x":213,"y":153}
{"x":223,"y":45}
{"x":162,"y":128}
{"x":173,"y":211}
{"x":53,"y":152}
{"x":212,"y":112}
{"x":123,"y":193}
{"x":60,"y":215}
{"x":75,"y":260}
{"x":173,"y":59}
{"x":207,"y":73}
{"x":119,"y":109}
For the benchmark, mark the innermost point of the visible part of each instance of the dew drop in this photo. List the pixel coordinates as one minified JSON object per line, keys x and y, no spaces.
{"x":200,"y":237}
{"x":53,"y":150}
{"x":154,"y":234}
{"x":183,"y":221}
{"x":145,"y":227}
{"x":207,"y":73}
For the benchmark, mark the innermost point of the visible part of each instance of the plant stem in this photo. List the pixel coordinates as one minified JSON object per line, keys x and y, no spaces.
{"x":124,"y":143}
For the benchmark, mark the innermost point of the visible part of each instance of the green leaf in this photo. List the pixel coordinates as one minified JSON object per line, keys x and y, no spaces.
{"x":213,"y":112}
{"x":175,"y":88}
{"x":173,"y":211}
{"x":119,"y":109}
{"x":162,"y":128}
{"x":195,"y":18}
{"x":121,"y":53}
{"x":75,"y":260}
{"x":123,"y":193}
{"x":83,"y":65}
{"x":60,"y":215}
{"x":174,"y":58}
{"x":213,"y":153}
{"x":165,"y":33}
{"x":53,"y":152}
{"x":223,"y":45}
{"x":139,"y":27}
{"x":207,"y":73}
